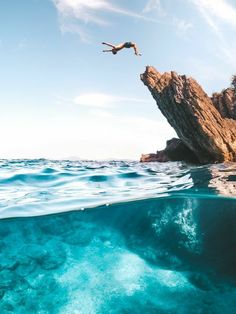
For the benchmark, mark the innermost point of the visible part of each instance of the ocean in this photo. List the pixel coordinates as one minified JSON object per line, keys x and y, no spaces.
{"x":88,"y":237}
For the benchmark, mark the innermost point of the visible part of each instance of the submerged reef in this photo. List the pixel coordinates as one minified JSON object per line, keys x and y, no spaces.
{"x":205,"y":125}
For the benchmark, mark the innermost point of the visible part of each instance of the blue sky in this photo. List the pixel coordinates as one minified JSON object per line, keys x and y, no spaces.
{"x":61,"y":96}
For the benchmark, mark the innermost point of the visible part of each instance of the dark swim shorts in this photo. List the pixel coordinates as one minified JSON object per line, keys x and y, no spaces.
{"x":128,"y":44}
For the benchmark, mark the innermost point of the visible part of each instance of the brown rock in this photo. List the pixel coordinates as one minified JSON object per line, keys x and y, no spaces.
{"x":225,"y":103}
{"x":207,"y":132}
{"x":175,"y":150}
{"x":159,"y":156}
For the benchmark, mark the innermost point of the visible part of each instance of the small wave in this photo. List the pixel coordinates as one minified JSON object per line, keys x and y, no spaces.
{"x":33,"y":187}
{"x":98,"y":178}
{"x":130,"y":175}
{"x":24,"y":179}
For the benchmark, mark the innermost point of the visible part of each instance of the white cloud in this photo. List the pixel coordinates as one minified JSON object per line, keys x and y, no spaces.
{"x":220,"y":9}
{"x":82,"y":10}
{"x":154,"y":5}
{"x":72,"y":12}
{"x":88,"y":10}
{"x":101,"y":100}
{"x":67,"y":26}
{"x":210,"y":21}
{"x":214,"y":12}
{"x":182,"y":25}
{"x":227,"y":53}
{"x":95,"y":100}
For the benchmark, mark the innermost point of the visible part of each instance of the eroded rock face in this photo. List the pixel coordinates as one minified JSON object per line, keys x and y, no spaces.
{"x":225,"y":103}
{"x":208,"y":131}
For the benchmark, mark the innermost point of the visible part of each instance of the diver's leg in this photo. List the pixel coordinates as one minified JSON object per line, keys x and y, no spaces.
{"x":110,"y":45}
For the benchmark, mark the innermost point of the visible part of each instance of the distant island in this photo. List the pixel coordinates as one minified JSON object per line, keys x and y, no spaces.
{"x":206,"y":126}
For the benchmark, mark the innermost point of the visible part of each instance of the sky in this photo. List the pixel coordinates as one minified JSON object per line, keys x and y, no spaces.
{"x":62,"y":97}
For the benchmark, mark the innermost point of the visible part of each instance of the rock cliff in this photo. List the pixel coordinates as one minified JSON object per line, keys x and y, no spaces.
{"x":206,"y":126}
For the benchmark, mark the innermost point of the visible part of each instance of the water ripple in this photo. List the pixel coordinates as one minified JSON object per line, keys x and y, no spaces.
{"x":37,"y":187}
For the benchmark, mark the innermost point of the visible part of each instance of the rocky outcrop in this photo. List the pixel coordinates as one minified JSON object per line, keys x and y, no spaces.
{"x":151,"y":157}
{"x":225,"y":103}
{"x":205,"y":125}
{"x":175,"y":150}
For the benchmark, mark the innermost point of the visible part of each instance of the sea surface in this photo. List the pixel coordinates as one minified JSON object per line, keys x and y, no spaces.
{"x":88,"y":237}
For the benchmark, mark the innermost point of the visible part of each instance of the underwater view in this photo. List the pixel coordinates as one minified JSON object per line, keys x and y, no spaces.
{"x":117,"y":237}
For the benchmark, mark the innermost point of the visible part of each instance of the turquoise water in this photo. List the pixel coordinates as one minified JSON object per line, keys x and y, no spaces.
{"x":121,"y":237}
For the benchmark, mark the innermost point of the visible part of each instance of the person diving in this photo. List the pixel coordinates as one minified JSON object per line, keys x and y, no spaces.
{"x":116,"y":48}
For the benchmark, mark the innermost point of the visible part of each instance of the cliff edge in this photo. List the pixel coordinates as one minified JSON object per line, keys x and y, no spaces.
{"x":206,"y":126}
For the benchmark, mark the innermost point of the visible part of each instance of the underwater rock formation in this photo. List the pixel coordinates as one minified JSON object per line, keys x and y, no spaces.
{"x":205,"y":125}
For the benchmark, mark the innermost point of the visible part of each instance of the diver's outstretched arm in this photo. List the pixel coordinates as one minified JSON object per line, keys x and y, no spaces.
{"x":110,"y":45}
{"x":136,"y":50}
{"x":107,"y":50}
